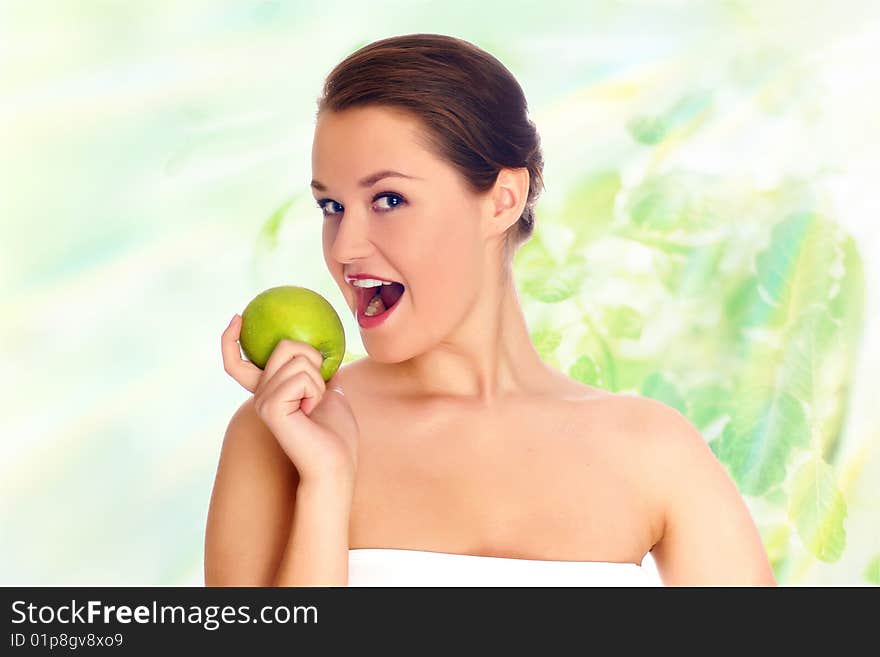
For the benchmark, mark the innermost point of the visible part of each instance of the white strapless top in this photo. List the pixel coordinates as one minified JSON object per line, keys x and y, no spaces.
{"x":403,"y":567}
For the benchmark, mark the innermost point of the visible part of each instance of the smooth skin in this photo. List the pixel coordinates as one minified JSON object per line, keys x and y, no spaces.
{"x":288,"y":411}
{"x":464,"y":439}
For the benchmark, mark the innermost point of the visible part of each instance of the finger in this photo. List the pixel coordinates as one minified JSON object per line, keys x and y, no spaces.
{"x":290,"y":369}
{"x":294,"y":393}
{"x":287,"y":349}
{"x":245,"y":372}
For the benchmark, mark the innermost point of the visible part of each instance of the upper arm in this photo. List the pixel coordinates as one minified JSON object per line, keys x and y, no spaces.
{"x":709,"y":537}
{"x":251,"y":505}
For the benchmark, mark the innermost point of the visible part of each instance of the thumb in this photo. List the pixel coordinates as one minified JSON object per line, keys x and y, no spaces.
{"x":309,"y":404}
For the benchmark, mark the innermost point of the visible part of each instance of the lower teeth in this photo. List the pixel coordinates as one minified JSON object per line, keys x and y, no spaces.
{"x":375,"y":307}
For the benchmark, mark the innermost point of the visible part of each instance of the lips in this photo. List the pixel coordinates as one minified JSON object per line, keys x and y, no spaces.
{"x":359,"y":276}
{"x":364,"y":294}
{"x":390,"y":295}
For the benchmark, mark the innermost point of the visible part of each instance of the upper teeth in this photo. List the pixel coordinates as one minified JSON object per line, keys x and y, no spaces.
{"x":368,"y":282}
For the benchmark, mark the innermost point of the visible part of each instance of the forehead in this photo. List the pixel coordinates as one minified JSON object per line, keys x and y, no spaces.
{"x":358,"y":141}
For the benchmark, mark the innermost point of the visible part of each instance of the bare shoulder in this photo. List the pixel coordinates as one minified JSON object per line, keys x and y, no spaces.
{"x":359,"y":381}
{"x":644,"y":441}
{"x":654,"y":425}
{"x":246,"y":426}
{"x":250,"y":444}
{"x":245,"y":417}
{"x":251,"y":504}
{"x":708,"y":536}
{"x":251,"y":456}
{"x":661,"y":439}
{"x":653,"y":443}
{"x":639,"y":422}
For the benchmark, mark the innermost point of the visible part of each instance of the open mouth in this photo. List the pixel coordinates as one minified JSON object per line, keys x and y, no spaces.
{"x":374,"y":301}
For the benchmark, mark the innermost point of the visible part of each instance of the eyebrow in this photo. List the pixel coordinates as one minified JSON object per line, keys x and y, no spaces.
{"x":370,"y":180}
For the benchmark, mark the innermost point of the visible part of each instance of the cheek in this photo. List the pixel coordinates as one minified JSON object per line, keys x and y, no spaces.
{"x":448,"y":263}
{"x":450,"y":235}
{"x":328,"y":234}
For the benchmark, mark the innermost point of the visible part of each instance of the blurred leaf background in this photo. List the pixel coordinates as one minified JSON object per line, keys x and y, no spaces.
{"x":707,"y":238}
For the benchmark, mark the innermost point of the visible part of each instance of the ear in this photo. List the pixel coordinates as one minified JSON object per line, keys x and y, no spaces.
{"x":507,"y":199}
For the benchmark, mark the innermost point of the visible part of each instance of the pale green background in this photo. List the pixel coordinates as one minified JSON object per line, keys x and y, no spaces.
{"x":146,"y":144}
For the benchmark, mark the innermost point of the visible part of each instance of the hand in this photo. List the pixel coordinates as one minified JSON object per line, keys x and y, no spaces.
{"x":318,"y":432}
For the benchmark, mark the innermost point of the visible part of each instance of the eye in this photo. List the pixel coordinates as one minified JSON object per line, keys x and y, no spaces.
{"x":390,"y":195}
{"x":394,"y":201}
{"x":323,"y":209}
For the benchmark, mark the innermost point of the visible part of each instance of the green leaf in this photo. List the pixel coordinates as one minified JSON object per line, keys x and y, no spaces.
{"x":681,"y":116}
{"x":745,"y":307}
{"x":707,"y":403}
{"x":657,"y":204}
{"x":818,"y":510}
{"x":655,"y":241}
{"x":760,"y":362}
{"x":777,"y":496}
{"x":796,"y":269}
{"x":802,"y":355}
{"x":673,"y":203}
{"x":622,"y":322}
{"x":715,"y":446}
{"x":532,"y":264}
{"x":532,"y":257}
{"x":847,"y":305}
{"x":872,"y":571}
{"x":592,"y":345}
{"x":647,"y":130}
{"x":589,"y":206}
{"x":553,"y":284}
{"x":662,"y":389}
{"x":586,"y":370}
{"x":272,"y":226}
{"x":691,"y":273}
{"x":689,"y":107}
{"x":546,"y":340}
{"x":557,"y":240}
{"x":851,"y":292}
{"x":767,"y":424}
{"x":775,"y":540}
{"x":630,"y":372}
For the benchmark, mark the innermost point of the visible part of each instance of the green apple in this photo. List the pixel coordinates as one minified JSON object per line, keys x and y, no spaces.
{"x":294,"y":313}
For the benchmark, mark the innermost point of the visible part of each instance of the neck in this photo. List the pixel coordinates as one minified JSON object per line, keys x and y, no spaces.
{"x":488,"y":356}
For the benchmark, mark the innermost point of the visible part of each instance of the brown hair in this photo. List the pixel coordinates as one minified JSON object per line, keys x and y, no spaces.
{"x":472,"y":109}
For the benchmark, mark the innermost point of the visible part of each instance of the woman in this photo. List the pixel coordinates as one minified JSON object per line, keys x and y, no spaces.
{"x":452,"y":448}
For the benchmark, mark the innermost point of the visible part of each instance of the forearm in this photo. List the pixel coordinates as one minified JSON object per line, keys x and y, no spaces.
{"x":317,"y":548}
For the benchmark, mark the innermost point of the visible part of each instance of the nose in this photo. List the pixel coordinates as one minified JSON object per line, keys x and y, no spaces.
{"x":349,"y":239}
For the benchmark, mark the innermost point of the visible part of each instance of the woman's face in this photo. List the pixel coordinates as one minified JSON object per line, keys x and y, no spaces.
{"x":423,"y":231}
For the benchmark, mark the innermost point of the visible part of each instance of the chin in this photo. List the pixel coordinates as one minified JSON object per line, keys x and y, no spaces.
{"x":391,"y":352}
{"x":387,"y":355}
